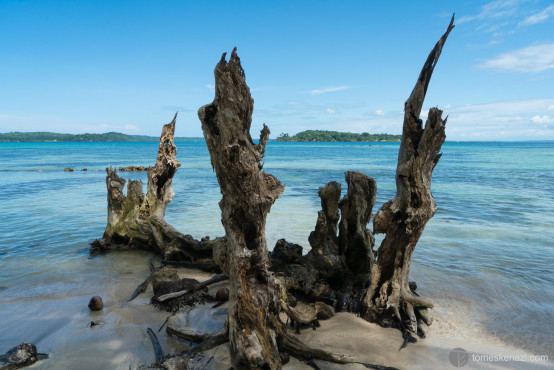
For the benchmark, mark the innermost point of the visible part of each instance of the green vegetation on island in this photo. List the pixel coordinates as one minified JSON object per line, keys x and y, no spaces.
{"x":321,"y":135}
{"x":15,"y":137}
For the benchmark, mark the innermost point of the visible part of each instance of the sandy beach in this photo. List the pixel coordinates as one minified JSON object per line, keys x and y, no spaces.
{"x":121,"y":342}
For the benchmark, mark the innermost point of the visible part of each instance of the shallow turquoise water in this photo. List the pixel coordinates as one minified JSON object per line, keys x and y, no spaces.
{"x":488,"y":251}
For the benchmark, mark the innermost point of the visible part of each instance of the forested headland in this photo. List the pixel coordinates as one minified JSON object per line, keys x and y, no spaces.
{"x":322,"y":135}
{"x":16,"y":137}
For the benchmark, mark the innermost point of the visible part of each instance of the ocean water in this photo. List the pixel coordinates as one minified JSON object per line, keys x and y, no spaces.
{"x":486,"y":258}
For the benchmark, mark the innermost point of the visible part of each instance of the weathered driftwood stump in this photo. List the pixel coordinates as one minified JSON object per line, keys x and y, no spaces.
{"x":248,"y":194}
{"x":136,"y":220}
{"x":389,"y":299}
{"x":356,"y":241}
{"x":336,"y":270}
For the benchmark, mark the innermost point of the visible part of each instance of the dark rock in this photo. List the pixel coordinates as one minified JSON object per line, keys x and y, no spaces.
{"x":286,"y":252}
{"x":68,"y":169}
{"x":95,"y":303}
{"x":299,"y":279}
{"x":413,"y":286}
{"x":343,"y":301}
{"x":285,"y":358}
{"x":222,"y":295}
{"x":164,"y":279}
{"x":355,"y":306}
{"x":21,"y":356}
{"x":84,"y":169}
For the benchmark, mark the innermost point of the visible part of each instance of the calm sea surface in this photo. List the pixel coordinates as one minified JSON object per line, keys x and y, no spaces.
{"x":486,"y":258}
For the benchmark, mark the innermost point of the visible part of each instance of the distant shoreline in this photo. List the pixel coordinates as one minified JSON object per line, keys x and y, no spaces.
{"x":53,"y":137}
{"x":301,"y":137}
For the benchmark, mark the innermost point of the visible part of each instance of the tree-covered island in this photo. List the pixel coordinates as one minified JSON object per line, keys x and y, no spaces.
{"x":322,"y":135}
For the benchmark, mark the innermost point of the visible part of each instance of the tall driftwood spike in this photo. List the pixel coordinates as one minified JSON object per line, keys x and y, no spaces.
{"x":256,"y":334}
{"x":247,"y":196}
{"x":160,"y":177}
{"x":389,"y":298}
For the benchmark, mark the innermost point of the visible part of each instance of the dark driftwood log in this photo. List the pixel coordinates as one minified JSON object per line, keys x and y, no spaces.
{"x":156,"y":344}
{"x":136,"y":220}
{"x":202,"y":285}
{"x":248,"y":194}
{"x":389,"y":299}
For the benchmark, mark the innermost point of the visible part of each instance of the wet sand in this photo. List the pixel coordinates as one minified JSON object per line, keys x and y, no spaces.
{"x":61,"y":328}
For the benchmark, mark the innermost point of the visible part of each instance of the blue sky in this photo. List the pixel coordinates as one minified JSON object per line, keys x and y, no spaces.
{"x":127,"y":66}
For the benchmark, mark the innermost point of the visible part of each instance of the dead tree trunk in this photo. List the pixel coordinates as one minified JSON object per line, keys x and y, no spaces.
{"x":136,"y":220}
{"x":389,"y":299}
{"x":256,"y":333}
{"x":248,"y":194}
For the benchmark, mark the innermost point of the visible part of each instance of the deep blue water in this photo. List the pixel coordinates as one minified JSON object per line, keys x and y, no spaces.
{"x":486,"y":256}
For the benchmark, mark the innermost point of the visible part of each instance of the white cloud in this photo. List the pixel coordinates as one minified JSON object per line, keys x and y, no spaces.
{"x":542,"y":119}
{"x":551,"y":107}
{"x":327,"y":90}
{"x":330,"y":111}
{"x":538,"y":17}
{"x":380,"y":112}
{"x":493,"y":10}
{"x":535,"y":58}
{"x":131,"y":127}
{"x":512,"y":120}
{"x":210,"y":87}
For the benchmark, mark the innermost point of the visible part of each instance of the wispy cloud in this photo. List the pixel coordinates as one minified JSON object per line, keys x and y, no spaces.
{"x":538,"y":17}
{"x":493,"y":11}
{"x":535,"y":58}
{"x":330,"y":111}
{"x":210,"y":87}
{"x":542,"y":119}
{"x":380,"y":112}
{"x":327,"y":90}
{"x":130,"y":127}
{"x":511,"y":120}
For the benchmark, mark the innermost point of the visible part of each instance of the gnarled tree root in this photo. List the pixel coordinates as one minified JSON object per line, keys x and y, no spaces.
{"x":303,"y":352}
{"x":287,"y":343}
